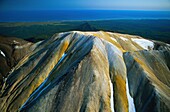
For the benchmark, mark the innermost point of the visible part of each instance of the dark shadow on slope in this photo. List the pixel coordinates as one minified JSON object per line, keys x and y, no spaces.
{"x":85,"y":27}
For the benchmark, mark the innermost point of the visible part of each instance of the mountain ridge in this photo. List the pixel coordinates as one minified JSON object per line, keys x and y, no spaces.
{"x":77,"y":71}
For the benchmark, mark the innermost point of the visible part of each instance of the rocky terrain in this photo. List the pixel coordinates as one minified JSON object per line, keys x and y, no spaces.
{"x":89,"y":72}
{"x":12,"y":50}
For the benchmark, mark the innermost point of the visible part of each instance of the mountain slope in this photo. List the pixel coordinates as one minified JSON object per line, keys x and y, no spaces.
{"x":90,"y":71}
{"x":12,"y":50}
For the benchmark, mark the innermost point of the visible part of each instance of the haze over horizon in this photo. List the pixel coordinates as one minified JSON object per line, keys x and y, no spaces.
{"x":19,"y":5}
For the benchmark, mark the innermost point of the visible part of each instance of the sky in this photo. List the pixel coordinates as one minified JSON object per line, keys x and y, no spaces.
{"x":11,"y":5}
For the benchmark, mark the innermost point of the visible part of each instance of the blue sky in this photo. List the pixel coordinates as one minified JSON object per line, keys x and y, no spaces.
{"x":84,"y":4}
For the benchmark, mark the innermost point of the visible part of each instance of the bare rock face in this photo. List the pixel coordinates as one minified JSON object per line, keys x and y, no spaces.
{"x":12,"y":50}
{"x":148,"y":75}
{"x":91,"y":72}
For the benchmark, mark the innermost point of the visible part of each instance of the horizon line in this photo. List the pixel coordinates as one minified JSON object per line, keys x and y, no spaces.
{"x":84,"y":10}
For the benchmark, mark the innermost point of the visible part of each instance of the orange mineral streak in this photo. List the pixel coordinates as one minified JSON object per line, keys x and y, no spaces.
{"x":64,"y":47}
{"x":108,"y":37}
{"x":40,"y":78}
{"x":156,"y":82}
{"x":120,"y":96}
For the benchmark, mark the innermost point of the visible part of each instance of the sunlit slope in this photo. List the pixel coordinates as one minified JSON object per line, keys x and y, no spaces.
{"x":76,"y":71}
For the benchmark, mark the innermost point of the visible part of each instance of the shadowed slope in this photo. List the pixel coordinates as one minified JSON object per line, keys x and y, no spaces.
{"x":12,"y":50}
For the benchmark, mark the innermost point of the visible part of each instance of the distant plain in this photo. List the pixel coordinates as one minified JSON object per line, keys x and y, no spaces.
{"x":156,"y":29}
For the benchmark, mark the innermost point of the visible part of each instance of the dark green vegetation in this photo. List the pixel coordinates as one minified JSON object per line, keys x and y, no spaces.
{"x":35,"y":31}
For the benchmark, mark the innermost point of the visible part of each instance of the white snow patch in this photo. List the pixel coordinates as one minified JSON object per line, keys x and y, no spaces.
{"x":3,"y":54}
{"x":123,"y":38}
{"x":114,"y":48}
{"x":34,"y":46}
{"x":130,"y":99}
{"x":168,"y":45}
{"x":79,"y":32}
{"x":113,"y":39}
{"x":84,"y":33}
{"x":61,"y":33}
{"x":5,"y":79}
{"x":145,"y":44}
{"x":111,"y":99}
{"x":16,"y":42}
{"x":18,"y":47}
{"x":22,"y":46}
{"x":61,"y":59}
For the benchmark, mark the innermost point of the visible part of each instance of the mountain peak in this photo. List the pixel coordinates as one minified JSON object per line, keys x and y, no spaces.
{"x":90,"y":71}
